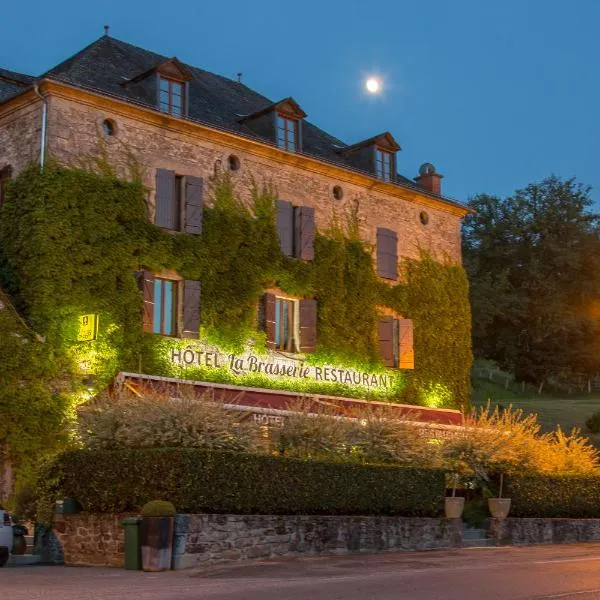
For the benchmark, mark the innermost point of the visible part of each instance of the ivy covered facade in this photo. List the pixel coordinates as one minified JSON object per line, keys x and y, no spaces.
{"x":213,"y":235}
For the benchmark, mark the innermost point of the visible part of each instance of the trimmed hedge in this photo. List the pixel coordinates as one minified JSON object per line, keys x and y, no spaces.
{"x":110,"y":481}
{"x":575,"y":497}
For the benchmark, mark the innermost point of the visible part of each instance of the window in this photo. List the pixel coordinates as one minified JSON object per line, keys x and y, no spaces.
{"x":287,"y":133}
{"x":290,"y":325}
{"x":396,"y":342}
{"x":171,"y":98}
{"x":286,"y":316}
{"x":387,"y":253}
{"x":165,"y":307}
{"x":179,"y":201}
{"x":296,"y":230}
{"x":109,"y":127}
{"x":383,"y":164}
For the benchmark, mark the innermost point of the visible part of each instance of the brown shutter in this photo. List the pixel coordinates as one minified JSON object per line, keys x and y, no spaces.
{"x":387,"y":253}
{"x":165,"y":209}
{"x":308,"y":325}
{"x":386,"y":341}
{"x":194,"y":201}
{"x":269,"y":319}
{"x":407,"y":354}
{"x":285,"y":227}
{"x":304,"y":232}
{"x":191,"y":309}
{"x":147,"y":284}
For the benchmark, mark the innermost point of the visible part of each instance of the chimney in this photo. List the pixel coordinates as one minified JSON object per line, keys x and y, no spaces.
{"x":429,"y":179}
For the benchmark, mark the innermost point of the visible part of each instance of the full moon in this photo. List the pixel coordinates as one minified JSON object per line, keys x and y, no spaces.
{"x":373,"y":85}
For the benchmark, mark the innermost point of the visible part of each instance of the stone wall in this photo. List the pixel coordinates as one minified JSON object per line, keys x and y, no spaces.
{"x":521,"y":532}
{"x":98,"y":540}
{"x":20,"y":136}
{"x":204,"y":539}
{"x":90,"y":539}
{"x":74,"y":131}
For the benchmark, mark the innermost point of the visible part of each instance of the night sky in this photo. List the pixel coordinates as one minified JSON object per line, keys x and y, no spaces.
{"x":495,"y":93}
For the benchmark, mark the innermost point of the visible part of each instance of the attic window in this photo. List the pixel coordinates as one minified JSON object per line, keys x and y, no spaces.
{"x":384,"y":161}
{"x":287,"y":132}
{"x":172,"y":96}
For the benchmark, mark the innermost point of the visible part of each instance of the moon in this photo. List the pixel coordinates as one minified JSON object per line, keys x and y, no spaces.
{"x":373,"y":85}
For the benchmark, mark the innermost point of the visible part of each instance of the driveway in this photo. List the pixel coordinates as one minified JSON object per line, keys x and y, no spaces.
{"x":543,"y":572}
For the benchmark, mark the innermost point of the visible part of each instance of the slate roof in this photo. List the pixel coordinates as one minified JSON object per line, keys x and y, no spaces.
{"x":12,"y":83}
{"x":107,"y":64}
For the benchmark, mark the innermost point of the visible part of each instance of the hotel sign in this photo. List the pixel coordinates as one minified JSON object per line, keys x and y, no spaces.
{"x":88,"y":328}
{"x":276,"y":367}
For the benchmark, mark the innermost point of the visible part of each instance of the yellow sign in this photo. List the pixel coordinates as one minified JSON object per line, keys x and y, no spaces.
{"x":88,"y":328}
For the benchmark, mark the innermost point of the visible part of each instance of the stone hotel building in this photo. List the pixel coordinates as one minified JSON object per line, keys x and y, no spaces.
{"x":184,"y":125}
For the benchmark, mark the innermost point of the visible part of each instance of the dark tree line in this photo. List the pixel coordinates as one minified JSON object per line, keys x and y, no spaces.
{"x":533,"y":261}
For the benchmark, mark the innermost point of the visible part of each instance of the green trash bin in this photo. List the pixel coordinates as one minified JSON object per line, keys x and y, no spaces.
{"x":133,"y":549}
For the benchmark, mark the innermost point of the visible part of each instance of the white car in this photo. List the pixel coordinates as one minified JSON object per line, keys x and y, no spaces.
{"x":6,"y":536}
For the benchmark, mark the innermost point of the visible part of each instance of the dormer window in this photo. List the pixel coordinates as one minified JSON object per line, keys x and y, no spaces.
{"x":287,"y":132}
{"x":384,"y":162}
{"x":172,"y":96}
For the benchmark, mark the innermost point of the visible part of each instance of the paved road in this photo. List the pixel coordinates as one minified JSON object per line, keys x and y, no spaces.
{"x":540,"y":573}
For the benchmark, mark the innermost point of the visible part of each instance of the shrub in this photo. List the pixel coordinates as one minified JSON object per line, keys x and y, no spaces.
{"x":197,"y":481}
{"x":555,"y":496}
{"x":593,"y":423}
{"x":158,"y":508}
{"x":159,"y":421}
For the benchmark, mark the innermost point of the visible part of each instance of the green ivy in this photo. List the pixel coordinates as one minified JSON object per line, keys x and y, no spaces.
{"x":71,"y":240}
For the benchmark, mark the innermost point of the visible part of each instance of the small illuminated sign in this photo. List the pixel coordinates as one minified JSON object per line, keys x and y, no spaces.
{"x":88,"y":328}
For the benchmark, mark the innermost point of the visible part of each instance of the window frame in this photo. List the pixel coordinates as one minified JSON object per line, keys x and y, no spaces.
{"x":384,"y":169}
{"x":167,"y":107}
{"x":290,"y":345}
{"x":287,"y":144}
{"x":159,"y":302}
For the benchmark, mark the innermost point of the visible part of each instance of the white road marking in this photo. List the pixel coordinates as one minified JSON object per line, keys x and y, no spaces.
{"x":565,"y":560}
{"x":570,"y":594}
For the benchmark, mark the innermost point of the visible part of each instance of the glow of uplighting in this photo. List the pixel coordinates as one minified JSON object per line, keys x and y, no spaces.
{"x":373,"y":85}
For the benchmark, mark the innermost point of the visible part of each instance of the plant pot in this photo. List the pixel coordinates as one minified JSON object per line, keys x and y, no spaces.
{"x":156,"y":537}
{"x":499,"y":507}
{"x":454,"y":507}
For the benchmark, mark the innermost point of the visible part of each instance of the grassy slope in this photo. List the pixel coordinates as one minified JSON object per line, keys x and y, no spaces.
{"x":566,"y":411}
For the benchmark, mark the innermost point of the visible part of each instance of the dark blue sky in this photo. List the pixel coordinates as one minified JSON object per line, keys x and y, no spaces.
{"x":495,"y":93}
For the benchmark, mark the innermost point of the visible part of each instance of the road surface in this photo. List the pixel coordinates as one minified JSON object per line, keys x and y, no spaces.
{"x":570,"y":572}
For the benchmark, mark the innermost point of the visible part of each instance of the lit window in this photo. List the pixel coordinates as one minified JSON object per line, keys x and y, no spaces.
{"x":165,"y":306}
{"x":286,"y":318}
{"x":171,"y":97}
{"x":287,"y":133}
{"x":383,"y":164}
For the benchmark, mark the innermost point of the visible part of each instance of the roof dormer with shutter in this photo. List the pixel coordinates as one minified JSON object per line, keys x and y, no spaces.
{"x":376,"y":155}
{"x":280,"y":122}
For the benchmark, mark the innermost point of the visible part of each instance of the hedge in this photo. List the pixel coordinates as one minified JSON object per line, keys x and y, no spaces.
{"x":574,"y":497}
{"x":110,"y":481}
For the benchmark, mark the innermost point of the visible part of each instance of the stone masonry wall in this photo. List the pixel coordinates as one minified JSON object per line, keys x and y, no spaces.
{"x":521,"y":532}
{"x":74,"y":131}
{"x":91,"y":539}
{"x":20,"y":136}
{"x":98,"y":540}
{"x":205,"y":539}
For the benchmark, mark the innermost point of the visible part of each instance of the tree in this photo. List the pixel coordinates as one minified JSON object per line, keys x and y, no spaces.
{"x":533,"y":261}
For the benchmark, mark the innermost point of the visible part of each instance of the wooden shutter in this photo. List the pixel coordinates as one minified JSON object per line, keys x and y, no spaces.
{"x":308,"y":325}
{"x":304,"y":232}
{"x":191,"y":309}
{"x":285,"y":226}
{"x":147,"y":285}
{"x":268,"y":308}
{"x":406,"y":352}
{"x":165,"y":199}
{"x":387,"y":253}
{"x":194,"y":203}
{"x":386,"y":341}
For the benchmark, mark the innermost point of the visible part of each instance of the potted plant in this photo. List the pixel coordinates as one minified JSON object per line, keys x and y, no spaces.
{"x":156,"y":535}
{"x":499,"y":506}
{"x":454,"y":505}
